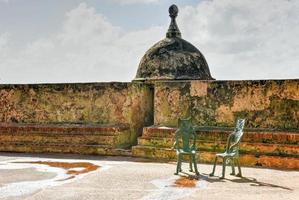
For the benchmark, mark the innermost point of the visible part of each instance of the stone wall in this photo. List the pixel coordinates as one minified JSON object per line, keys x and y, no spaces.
{"x":266,"y":104}
{"x":84,"y":103}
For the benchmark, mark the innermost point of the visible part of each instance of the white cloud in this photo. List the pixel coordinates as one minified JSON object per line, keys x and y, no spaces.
{"x":3,"y":40}
{"x":89,"y":48}
{"x":240,"y":39}
{"x":135,"y":1}
{"x":246,"y":39}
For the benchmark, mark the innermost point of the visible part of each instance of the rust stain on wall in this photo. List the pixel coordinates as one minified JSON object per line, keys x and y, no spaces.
{"x":100,"y":103}
{"x":250,"y":99}
{"x":224,"y":114}
{"x":199,"y":88}
{"x":267,"y":104}
{"x":171,"y":102}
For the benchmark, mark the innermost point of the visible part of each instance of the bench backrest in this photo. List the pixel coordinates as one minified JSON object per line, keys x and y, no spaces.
{"x":184,"y":134}
{"x":233,"y":141}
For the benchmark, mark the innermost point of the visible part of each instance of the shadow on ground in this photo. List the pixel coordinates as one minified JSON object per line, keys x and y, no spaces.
{"x":255,"y":182}
{"x":250,"y":180}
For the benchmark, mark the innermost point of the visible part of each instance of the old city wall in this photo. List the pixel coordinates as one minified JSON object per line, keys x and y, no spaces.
{"x":271,"y":109}
{"x":68,"y":118}
{"x":266,"y":104}
{"x":272,"y":104}
{"x":82,"y":103}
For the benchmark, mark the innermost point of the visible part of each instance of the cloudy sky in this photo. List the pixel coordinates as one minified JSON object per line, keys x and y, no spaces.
{"x":104,"y":40}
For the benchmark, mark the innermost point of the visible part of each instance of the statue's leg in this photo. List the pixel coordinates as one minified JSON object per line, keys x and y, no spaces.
{"x":214,"y":167}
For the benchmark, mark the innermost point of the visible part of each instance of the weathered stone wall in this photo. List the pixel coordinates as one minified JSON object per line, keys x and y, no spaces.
{"x":266,"y":104}
{"x":100,"y":103}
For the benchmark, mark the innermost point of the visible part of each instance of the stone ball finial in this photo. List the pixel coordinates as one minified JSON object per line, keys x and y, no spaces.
{"x":173,"y":11}
{"x":173,"y":30}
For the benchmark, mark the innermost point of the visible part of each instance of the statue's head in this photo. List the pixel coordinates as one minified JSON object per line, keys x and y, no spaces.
{"x":185,"y":123}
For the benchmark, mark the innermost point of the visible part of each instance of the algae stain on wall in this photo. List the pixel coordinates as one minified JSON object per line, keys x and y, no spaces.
{"x":266,"y":104}
{"x":171,"y":102}
{"x":199,"y":88}
{"x":101,"y":103}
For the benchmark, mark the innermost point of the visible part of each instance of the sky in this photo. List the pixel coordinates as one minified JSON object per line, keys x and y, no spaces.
{"x":58,"y":41}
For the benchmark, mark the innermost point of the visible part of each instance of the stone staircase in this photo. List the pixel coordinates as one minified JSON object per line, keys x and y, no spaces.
{"x":65,"y":138}
{"x":258,"y":147}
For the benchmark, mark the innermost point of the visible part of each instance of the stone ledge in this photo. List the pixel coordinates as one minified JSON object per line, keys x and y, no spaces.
{"x":265,"y":136}
{"x":167,"y":154}
{"x":29,"y":137}
{"x":66,"y":138}
{"x":61,"y":128}
{"x":266,"y":148}
{"x":60,"y":148}
{"x":245,"y":147}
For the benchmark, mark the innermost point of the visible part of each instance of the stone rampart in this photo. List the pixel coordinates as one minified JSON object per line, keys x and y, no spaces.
{"x":266,"y":104}
{"x":271,"y":109}
{"x":78,"y":103}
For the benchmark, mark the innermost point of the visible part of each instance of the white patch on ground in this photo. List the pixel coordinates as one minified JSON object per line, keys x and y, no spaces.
{"x":166,"y":190}
{"x":77,"y":169}
{"x":104,"y":168}
{"x":28,"y":187}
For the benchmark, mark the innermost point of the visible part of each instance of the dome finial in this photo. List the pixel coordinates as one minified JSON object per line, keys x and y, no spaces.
{"x":173,"y":30}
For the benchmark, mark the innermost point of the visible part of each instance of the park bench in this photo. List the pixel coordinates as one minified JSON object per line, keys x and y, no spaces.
{"x":231,"y":153}
{"x":183,"y":136}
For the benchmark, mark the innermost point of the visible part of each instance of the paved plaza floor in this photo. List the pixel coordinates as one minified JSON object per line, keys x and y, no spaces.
{"x":43,"y":177}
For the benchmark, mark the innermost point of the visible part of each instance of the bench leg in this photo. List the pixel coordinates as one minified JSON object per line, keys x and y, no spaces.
{"x":195,"y":164}
{"x":233,"y":166}
{"x":214,"y":167}
{"x":239,"y":167}
{"x":178,"y":165}
{"x":190,"y":163}
{"x":223,"y":168}
{"x":181,"y":157}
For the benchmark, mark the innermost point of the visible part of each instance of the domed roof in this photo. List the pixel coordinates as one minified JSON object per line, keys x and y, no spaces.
{"x":173,"y":58}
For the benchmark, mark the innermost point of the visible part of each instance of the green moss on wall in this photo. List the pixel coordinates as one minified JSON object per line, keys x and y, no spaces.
{"x":102,"y":103}
{"x":268,"y":104}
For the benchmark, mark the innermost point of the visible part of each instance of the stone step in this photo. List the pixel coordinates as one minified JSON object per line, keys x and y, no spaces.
{"x":116,"y":136}
{"x":89,"y":139}
{"x":279,"y":162}
{"x":106,"y":129}
{"x":219,"y":146}
{"x":157,"y":131}
{"x":60,"y":148}
{"x":209,"y":134}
